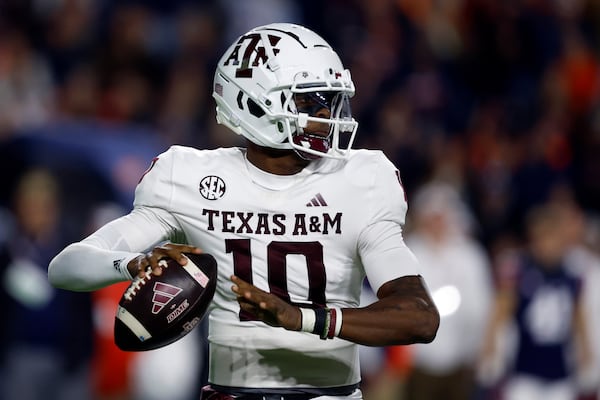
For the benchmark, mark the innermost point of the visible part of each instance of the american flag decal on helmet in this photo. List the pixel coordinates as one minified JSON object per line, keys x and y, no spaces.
{"x":163,"y":294}
{"x":219,"y":89}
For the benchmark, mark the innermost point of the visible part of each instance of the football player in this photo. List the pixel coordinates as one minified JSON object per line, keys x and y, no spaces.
{"x":296,"y":220}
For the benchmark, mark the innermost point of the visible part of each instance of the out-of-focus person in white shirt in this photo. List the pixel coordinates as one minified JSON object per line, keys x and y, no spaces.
{"x":458,"y":273}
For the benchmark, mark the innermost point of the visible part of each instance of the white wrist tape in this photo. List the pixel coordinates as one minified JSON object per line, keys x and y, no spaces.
{"x":338,"y":321}
{"x":122,"y":267}
{"x":308,"y":319}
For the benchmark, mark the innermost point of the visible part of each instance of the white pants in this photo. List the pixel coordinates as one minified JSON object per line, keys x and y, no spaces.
{"x":208,"y":392}
{"x":529,"y":388}
{"x":356,"y":395}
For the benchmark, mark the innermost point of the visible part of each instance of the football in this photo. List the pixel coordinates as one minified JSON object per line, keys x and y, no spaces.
{"x":155,"y":311}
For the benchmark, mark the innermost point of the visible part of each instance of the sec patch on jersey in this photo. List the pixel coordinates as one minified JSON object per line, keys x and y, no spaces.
{"x":156,"y":311}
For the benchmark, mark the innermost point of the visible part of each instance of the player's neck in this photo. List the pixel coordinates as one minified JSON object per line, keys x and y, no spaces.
{"x":275,"y":161}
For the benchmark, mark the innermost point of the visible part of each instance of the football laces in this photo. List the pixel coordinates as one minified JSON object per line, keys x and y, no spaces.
{"x":140,"y":281}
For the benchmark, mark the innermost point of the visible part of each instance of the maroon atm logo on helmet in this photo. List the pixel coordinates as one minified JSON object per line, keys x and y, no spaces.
{"x":163,"y":294}
{"x":252,"y":55}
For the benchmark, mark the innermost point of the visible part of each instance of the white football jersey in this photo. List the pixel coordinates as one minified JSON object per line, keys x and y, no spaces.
{"x":310,"y":238}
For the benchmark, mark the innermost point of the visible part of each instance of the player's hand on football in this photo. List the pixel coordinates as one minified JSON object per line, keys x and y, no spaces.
{"x":140,"y":264}
{"x":265,"y":306}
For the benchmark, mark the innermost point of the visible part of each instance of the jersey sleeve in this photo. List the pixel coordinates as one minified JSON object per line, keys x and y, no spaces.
{"x":101,"y":259}
{"x":381,"y":246}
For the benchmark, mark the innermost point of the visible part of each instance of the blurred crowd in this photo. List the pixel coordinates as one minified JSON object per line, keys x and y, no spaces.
{"x":490,"y":109}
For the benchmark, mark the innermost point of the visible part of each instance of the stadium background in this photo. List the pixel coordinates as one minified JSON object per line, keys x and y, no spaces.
{"x":500,"y":99}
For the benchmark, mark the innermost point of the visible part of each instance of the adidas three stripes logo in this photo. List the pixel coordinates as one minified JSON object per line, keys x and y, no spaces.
{"x":317,"y":201}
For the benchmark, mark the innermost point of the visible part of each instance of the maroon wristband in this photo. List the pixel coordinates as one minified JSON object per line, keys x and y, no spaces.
{"x":332,"y":321}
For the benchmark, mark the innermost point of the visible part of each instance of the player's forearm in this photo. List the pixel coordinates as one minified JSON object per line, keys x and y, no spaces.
{"x":404,"y":314}
{"x":391,"y":321}
{"x":84,"y":267}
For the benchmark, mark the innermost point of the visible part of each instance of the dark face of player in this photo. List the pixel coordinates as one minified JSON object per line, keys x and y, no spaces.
{"x":316,"y":135}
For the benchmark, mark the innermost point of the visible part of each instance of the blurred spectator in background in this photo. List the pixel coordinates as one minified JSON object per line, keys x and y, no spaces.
{"x":582,"y":238}
{"x":457,"y":270}
{"x":543,"y":297}
{"x":46,"y":336}
{"x":26,"y":86}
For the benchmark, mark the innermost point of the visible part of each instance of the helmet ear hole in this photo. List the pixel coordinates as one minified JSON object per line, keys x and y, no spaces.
{"x":254,"y":109}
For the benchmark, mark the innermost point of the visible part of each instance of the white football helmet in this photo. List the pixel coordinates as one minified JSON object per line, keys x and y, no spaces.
{"x":270,"y":84}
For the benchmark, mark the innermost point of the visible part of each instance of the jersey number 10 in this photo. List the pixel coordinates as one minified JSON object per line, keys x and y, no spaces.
{"x":277,"y":268}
